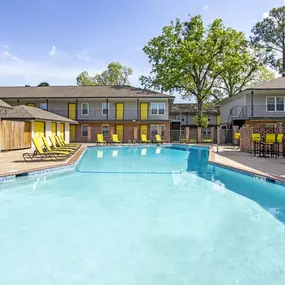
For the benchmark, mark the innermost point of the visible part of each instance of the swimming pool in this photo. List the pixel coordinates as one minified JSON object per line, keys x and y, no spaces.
{"x":142,"y":215}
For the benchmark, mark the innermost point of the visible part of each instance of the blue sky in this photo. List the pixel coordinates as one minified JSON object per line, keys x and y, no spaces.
{"x":54,"y":40}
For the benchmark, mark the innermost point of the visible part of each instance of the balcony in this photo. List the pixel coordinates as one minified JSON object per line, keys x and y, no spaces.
{"x":112,"y":115}
{"x":257,"y":111}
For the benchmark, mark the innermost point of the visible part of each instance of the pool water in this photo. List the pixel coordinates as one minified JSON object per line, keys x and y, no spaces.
{"x":142,"y":215}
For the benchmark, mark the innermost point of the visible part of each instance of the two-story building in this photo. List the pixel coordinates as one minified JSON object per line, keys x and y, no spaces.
{"x":183,"y":115}
{"x":260,"y":105}
{"x":125,"y":110}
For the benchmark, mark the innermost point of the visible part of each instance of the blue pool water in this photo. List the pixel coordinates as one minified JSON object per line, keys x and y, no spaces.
{"x":145,"y":215}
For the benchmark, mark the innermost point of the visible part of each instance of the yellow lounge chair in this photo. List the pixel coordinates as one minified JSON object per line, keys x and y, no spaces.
{"x":115,"y":138}
{"x":144,"y":139}
{"x":61,"y":144}
{"x":69,"y":144}
{"x":40,"y":154}
{"x":47,"y":146}
{"x":100,"y":138}
{"x":55,"y":147}
{"x":158,"y":139}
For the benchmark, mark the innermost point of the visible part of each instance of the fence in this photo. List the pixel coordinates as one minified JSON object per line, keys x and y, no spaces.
{"x":15,"y":135}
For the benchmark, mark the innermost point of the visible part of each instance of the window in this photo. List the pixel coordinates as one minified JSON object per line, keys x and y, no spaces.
{"x":105,"y":108}
{"x":43,"y":106}
{"x":105,"y":130}
{"x":154,"y":130}
{"x":274,"y":104}
{"x":180,"y":118}
{"x":206,"y":132}
{"x":84,"y":130}
{"x":157,"y":108}
{"x":84,"y":108}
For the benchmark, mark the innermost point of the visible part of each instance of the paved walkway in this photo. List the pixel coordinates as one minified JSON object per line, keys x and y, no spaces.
{"x":12,"y":162}
{"x":259,"y":165}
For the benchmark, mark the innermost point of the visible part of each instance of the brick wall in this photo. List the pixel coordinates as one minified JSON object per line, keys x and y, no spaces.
{"x":129,"y":131}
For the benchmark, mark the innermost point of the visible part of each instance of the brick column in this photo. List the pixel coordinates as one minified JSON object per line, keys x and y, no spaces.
{"x":199,"y":136}
{"x":213,"y":134}
{"x":112,"y":131}
{"x":89,"y":138}
{"x":187,"y":134}
{"x":245,"y":138}
{"x":167,"y":132}
{"x":219,"y":135}
{"x":136,"y":133}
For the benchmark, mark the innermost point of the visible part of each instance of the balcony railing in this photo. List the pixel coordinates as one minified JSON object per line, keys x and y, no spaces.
{"x":257,"y":111}
{"x":121,"y":115}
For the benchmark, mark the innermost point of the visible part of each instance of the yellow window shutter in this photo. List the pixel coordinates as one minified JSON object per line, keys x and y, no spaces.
{"x":62,"y":131}
{"x":218,"y":119}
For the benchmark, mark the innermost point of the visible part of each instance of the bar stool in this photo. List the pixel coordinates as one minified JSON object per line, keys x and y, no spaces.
{"x":280,"y":141}
{"x":256,"y":142}
{"x":270,"y":142}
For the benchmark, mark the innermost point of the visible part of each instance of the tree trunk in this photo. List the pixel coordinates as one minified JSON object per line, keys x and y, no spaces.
{"x":199,"y":111}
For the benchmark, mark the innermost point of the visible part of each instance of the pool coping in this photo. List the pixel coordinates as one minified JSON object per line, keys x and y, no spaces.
{"x":68,"y":165}
{"x":252,"y":172}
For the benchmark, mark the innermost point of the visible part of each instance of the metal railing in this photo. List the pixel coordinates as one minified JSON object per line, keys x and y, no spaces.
{"x":112,"y":114}
{"x":255,"y":111}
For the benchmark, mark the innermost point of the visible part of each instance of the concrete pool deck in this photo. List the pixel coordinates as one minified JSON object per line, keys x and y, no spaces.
{"x":12,"y":162}
{"x":233,"y":157}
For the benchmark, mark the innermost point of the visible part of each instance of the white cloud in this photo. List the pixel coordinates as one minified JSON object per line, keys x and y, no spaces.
{"x":6,"y":46}
{"x":83,"y":55}
{"x":265,"y":15}
{"x":52,"y":52}
{"x":5,"y":55}
{"x":206,"y":7}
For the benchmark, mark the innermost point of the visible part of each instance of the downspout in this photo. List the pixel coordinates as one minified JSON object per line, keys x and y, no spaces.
{"x":251,"y":103}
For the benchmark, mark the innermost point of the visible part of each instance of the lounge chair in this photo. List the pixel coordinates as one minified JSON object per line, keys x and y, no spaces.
{"x":61,"y":144}
{"x":69,"y":144}
{"x":47,"y":146}
{"x":158,"y":139}
{"x":100,"y":138}
{"x":55,"y":147}
{"x":40,"y":154}
{"x":144,"y":139}
{"x":115,"y":138}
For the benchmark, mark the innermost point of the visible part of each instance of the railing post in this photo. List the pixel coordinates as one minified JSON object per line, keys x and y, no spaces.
{"x":107,"y":115}
{"x":138,"y":109}
{"x":251,"y":103}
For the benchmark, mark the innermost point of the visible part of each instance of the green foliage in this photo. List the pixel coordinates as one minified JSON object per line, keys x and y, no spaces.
{"x":43,"y":84}
{"x":84,"y":79}
{"x":189,"y":57}
{"x":116,"y":74}
{"x":201,"y":121}
{"x":269,"y":35}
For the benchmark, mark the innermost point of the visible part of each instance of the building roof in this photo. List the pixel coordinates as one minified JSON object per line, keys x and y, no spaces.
{"x":191,"y":108}
{"x":275,"y":84}
{"x":4,"y":105}
{"x":79,"y":92}
{"x":32,"y":113}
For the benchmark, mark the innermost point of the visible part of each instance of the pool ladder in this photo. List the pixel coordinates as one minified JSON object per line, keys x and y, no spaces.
{"x":216,"y":145}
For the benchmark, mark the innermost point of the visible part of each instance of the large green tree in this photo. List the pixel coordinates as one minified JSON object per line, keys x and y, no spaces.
{"x":189,"y":57}
{"x":116,"y":74}
{"x":270,"y":35}
{"x":243,"y":68}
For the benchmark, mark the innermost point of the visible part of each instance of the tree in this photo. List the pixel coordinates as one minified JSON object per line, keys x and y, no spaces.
{"x":43,"y":84}
{"x":116,"y":74}
{"x":270,"y":35}
{"x":84,"y":79}
{"x":188,"y":57}
{"x":243,"y":68}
